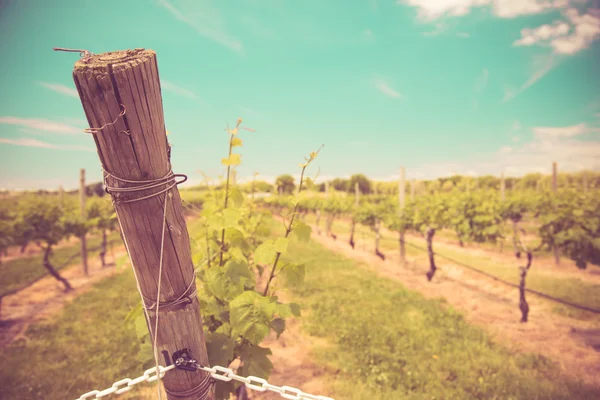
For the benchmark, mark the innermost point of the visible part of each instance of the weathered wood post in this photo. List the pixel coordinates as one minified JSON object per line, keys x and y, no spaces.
{"x":502,"y":187}
{"x":401,"y":193}
{"x":356,"y":205}
{"x":82,"y":196}
{"x":121,"y":96}
{"x":61,"y":195}
{"x":554,"y":189}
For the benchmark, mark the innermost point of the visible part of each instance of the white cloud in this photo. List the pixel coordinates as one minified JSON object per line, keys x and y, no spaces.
{"x":205,"y":20}
{"x":541,"y":66}
{"x":171,"y":87}
{"x":26,"y":142}
{"x":58,"y":88}
{"x":41,"y":125}
{"x":386,"y":89}
{"x":565,"y":132}
{"x":562,"y":37}
{"x":545,"y":32}
{"x":430,"y":10}
{"x":548,"y":144}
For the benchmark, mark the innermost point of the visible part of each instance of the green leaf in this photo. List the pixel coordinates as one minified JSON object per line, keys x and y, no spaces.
{"x":231,"y":218}
{"x":255,"y":360}
{"x":295,"y":308}
{"x":141,"y":328}
{"x":145,"y":353}
{"x":220,"y":348}
{"x":236,"y":196}
{"x":239,"y":272}
{"x":278,"y":325}
{"x":135,"y":312}
{"x":250,"y":316}
{"x":281,"y":245}
{"x":294,"y":274}
{"x":265,"y":253}
{"x":217,"y":282}
{"x":302,"y":231}
{"x":233,"y":159}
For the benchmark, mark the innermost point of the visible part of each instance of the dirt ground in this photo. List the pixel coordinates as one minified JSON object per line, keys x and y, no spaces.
{"x":47,"y":296}
{"x":573,"y":344}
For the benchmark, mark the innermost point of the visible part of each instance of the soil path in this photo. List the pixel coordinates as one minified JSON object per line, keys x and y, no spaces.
{"x":47,"y":296}
{"x":542,"y":263}
{"x":573,"y":344}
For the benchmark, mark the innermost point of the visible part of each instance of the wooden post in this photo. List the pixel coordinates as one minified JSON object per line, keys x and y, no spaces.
{"x":84,"y":260}
{"x":554,"y":177}
{"x":253,"y":183}
{"x":123,"y":87}
{"x":401,"y":193}
{"x":554,"y":189}
{"x":502,"y":187}
{"x":61,"y":195}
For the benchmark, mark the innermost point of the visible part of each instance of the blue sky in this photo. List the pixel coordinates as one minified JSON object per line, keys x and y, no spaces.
{"x":439,"y":86}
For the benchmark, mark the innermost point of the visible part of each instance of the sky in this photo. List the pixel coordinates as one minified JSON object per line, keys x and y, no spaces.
{"x":438,"y":86}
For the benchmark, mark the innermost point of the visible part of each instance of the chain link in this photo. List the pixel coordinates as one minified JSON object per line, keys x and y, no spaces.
{"x":259,"y":384}
{"x":217,"y":372}
{"x":125,"y":385}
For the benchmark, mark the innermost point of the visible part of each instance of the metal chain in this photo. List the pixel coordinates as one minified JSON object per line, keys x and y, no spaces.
{"x":216,"y":372}
{"x":258,"y":384}
{"x":125,"y":385}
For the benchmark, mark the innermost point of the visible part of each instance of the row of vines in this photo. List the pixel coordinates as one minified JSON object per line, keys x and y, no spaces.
{"x":568,"y":220}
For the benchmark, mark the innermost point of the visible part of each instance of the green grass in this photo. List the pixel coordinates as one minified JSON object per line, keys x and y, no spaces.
{"x":21,"y":272}
{"x":383,"y":339}
{"x":87,"y":346}
{"x":391,"y":343}
{"x":570,"y":289}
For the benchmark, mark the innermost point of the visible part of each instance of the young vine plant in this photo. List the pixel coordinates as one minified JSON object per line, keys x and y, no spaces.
{"x":240,"y":267}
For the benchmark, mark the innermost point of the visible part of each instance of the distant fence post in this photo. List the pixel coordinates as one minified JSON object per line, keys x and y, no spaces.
{"x":554,"y":190}
{"x":502,"y":187}
{"x":82,"y":195}
{"x":121,"y":96}
{"x":401,"y":196}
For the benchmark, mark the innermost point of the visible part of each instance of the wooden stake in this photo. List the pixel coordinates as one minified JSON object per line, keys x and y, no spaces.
{"x":554,"y":177}
{"x":84,"y":260}
{"x":554,"y":189}
{"x":401,"y":193}
{"x":123,"y":87}
{"x":402,"y":187}
{"x":61,"y":195}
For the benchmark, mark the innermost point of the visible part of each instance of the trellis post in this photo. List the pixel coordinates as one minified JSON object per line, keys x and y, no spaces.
{"x":82,"y":195}
{"x":121,"y":96}
{"x":401,"y":196}
{"x":555,"y":249}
